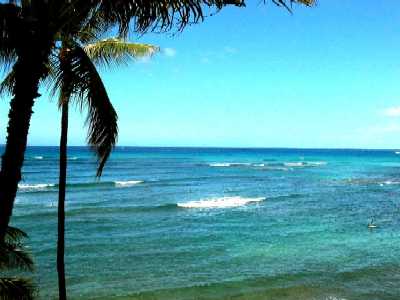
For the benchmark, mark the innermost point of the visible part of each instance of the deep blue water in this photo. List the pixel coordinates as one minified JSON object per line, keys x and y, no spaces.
{"x":187,"y":223}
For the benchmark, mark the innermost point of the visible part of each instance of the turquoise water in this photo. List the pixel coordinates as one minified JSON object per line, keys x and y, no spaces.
{"x":168,"y":223}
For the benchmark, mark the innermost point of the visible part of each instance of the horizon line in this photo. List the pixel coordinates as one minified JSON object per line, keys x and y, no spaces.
{"x":226,"y":147}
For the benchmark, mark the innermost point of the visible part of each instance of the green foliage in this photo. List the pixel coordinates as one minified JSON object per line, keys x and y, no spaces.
{"x":113,"y":52}
{"x":13,"y":256}
{"x":77,"y":79}
{"x":82,"y":83}
{"x":16,"y":289}
{"x":78,"y":24}
{"x":8,"y":34}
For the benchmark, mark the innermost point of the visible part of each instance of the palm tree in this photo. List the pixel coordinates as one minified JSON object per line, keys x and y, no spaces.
{"x":75,"y":77}
{"x":14,"y":257}
{"x":30,"y":30}
{"x":78,"y":80}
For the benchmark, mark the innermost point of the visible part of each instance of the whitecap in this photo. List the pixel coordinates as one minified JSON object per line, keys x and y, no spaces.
{"x":389,"y":182}
{"x":220,"y":202}
{"x":305,"y":163}
{"x":259,"y":165}
{"x":397,"y":152}
{"x":38,"y":157}
{"x":225,"y":164}
{"x":316,"y":163}
{"x":34,"y":187}
{"x":220,"y":165}
{"x":279,"y":169}
{"x":127,"y":183}
{"x":334,"y":298}
{"x":293,"y":164}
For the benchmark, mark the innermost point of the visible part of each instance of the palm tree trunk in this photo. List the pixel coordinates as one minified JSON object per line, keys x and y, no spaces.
{"x":33,"y":55}
{"x":61,"y":202}
{"x":29,"y":69}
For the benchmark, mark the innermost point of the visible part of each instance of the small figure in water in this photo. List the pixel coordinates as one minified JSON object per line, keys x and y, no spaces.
{"x":371,"y":224}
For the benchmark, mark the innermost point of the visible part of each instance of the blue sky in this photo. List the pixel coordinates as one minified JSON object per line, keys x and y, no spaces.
{"x":326,"y":76}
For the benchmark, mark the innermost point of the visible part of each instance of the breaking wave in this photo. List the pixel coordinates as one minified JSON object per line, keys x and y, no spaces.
{"x":271,"y":165}
{"x":229,"y":164}
{"x":43,"y":187}
{"x":127,"y":183}
{"x":35,"y":187}
{"x":220,"y":202}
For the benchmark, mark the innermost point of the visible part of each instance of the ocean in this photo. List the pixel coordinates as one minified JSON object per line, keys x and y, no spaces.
{"x":211,"y":223}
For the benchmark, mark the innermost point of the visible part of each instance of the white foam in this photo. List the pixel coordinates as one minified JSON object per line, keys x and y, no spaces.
{"x":389,"y":182}
{"x":316,"y":163}
{"x":397,"y":152}
{"x":73,"y":158}
{"x":38,"y":186}
{"x":220,"y":165}
{"x":279,"y":168}
{"x":293,"y":164}
{"x":38,"y":157}
{"x":226,"y":164}
{"x":305,"y":163}
{"x":127,"y":183}
{"x":221,"y":202}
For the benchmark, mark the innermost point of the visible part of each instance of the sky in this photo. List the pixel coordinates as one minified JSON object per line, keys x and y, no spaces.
{"x":321,"y":77}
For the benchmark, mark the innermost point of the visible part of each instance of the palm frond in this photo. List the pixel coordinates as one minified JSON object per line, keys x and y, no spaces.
{"x":7,"y":85}
{"x":94,"y":27}
{"x":163,"y":15}
{"x":288,"y":3}
{"x":13,"y":256}
{"x":114,"y":51}
{"x":87,"y":89}
{"x":14,"y":235}
{"x":16,"y":289}
{"x":158,"y":15}
{"x":9,"y":34}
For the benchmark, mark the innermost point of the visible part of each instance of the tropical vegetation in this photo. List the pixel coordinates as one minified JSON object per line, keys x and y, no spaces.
{"x":14,"y":257}
{"x":31,"y":29}
{"x":77,"y":79}
{"x":35,"y":32}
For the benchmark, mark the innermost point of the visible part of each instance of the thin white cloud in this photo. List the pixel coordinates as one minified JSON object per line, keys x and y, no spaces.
{"x":392,"y":111}
{"x":169,"y":52}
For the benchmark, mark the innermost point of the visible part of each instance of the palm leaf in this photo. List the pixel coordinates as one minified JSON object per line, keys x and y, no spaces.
{"x":94,"y":27}
{"x":288,"y":3}
{"x":87,"y":89}
{"x":14,"y":235}
{"x":15,"y":257}
{"x":16,"y":289}
{"x":9,"y":33}
{"x":114,"y":51}
{"x":7,"y":85}
{"x":163,"y":15}
{"x":158,"y":15}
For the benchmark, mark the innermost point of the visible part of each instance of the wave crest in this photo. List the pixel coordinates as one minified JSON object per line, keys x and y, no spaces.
{"x":220,"y":202}
{"x":226,"y":164}
{"x":35,"y":187}
{"x":127,"y":183}
{"x":273,"y":165}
